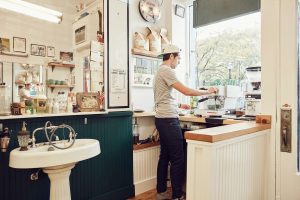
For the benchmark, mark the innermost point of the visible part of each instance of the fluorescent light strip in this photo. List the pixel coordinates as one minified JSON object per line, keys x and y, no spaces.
{"x":36,"y":7}
{"x":31,"y":10}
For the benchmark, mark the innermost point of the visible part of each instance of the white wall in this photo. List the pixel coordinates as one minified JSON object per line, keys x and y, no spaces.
{"x":180,"y":38}
{"x":142,"y":98}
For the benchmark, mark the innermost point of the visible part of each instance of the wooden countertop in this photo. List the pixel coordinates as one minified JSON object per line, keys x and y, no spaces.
{"x":226,"y":132}
{"x":51,"y":115}
{"x":144,"y":146}
{"x":186,"y":118}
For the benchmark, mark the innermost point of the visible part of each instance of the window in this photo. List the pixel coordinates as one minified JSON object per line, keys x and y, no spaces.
{"x":224,"y":50}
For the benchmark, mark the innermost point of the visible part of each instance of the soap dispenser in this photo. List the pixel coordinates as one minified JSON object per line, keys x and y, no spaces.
{"x":23,"y":138}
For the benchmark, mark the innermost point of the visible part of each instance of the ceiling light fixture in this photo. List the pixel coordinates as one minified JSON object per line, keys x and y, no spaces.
{"x":32,"y":10}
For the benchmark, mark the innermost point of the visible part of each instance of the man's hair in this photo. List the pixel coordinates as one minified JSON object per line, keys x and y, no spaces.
{"x":167,"y":56}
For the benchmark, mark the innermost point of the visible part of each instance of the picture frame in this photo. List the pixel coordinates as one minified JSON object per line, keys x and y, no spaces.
{"x":88,"y":101}
{"x":179,"y":10}
{"x":66,"y":56}
{"x":80,"y":35}
{"x":50,"y":51}
{"x":19,"y":44}
{"x":4,"y":44}
{"x":38,"y":50}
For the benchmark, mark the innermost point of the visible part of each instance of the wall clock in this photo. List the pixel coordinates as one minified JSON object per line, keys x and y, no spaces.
{"x":150,"y":10}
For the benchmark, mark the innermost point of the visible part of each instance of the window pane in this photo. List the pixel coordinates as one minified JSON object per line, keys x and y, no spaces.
{"x":224,"y":50}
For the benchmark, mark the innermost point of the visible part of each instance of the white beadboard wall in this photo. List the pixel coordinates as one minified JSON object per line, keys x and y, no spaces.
{"x":229,"y":170}
{"x":144,"y":169}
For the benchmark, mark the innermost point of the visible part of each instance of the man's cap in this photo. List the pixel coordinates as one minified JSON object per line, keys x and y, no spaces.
{"x":170,"y":48}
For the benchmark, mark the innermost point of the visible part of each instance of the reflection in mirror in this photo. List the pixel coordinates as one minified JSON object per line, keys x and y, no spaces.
{"x":86,"y":74}
{"x":1,"y":72}
{"x":28,"y":81}
{"x":93,"y":74}
{"x":5,"y":87}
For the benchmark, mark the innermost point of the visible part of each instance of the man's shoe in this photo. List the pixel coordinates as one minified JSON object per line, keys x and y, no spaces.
{"x":163,"y":196}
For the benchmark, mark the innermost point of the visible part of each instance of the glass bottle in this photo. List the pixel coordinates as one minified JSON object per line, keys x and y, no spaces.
{"x":55,"y":107}
{"x":5,"y":99}
{"x":135,"y":132}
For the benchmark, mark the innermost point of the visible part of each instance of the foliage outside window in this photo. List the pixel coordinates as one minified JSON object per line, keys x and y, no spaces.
{"x":225,"y":49}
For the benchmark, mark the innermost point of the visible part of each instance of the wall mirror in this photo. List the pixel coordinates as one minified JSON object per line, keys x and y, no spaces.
{"x":77,"y":53}
{"x":16,"y":75}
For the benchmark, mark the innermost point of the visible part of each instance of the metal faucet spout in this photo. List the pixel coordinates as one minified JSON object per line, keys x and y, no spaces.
{"x":40,"y":129}
{"x":49,"y":126}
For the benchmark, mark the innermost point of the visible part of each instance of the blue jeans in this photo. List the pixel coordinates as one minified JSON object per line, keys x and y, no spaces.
{"x":171,"y":150}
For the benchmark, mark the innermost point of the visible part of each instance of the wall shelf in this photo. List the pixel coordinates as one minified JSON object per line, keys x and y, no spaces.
{"x":61,"y":86}
{"x":7,"y":53}
{"x":140,"y":52}
{"x":57,"y":64}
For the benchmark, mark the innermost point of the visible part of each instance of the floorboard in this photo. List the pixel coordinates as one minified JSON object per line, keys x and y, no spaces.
{"x":149,"y":195}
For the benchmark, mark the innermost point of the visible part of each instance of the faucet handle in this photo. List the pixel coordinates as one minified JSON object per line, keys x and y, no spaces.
{"x":32,"y":141}
{"x":56,"y":138}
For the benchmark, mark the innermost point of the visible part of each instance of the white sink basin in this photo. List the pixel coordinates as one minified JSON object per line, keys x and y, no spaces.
{"x":57,"y":164}
{"x":40,"y":157}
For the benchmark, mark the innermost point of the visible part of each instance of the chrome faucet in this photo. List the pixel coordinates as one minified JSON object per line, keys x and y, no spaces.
{"x":42,"y":129}
{"x":49,"y":126}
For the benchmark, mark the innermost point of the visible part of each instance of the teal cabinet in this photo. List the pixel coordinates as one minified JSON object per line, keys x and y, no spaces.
{"x":108,"y":176}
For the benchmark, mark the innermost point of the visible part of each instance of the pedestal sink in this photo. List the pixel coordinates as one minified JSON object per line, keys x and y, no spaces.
{"x":57,"y":164}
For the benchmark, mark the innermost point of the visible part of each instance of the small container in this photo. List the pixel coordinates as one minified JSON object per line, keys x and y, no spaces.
{"x":55,"y":107}
{"x":136,"y":139}
{"x":69,"y":106}
{"x":4,"y":139}
{"x":5,"y":99}
{"x":135,"y":133}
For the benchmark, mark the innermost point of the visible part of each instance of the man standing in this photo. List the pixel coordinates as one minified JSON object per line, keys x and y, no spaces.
{"x":167,"y":123}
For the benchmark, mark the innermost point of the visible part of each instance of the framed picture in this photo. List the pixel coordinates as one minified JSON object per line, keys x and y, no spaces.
{"x":38,"y":50}
{"x":179,"y":10}
{"x":50,"y":51}
{"x":88,"y":101}
{"x":66,"y":56}
{"x":80,"y":35}
{"x":19,"y":44}
{"x":4,"y":44}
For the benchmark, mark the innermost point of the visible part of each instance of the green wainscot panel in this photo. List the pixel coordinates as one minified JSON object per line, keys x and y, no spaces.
{"x":108,"y":176}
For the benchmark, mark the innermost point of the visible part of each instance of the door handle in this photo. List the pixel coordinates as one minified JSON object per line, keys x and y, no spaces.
{"x":284,"y":136}
{"x":286,"y":129}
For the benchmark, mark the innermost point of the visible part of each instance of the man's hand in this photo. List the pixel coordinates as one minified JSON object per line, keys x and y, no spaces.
{"x":212,"y":90}
{"x":184,"y":106}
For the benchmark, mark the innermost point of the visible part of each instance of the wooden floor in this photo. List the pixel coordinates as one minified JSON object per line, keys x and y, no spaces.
{"x":149,"y":195}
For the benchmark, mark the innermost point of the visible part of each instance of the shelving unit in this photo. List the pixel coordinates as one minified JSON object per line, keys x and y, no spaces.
{"x":56,"y":64}
{"x":61,"y":86}
{"x":144,"y":53}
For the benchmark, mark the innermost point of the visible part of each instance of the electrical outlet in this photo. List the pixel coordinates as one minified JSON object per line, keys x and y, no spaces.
{"x":85,"y":120}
